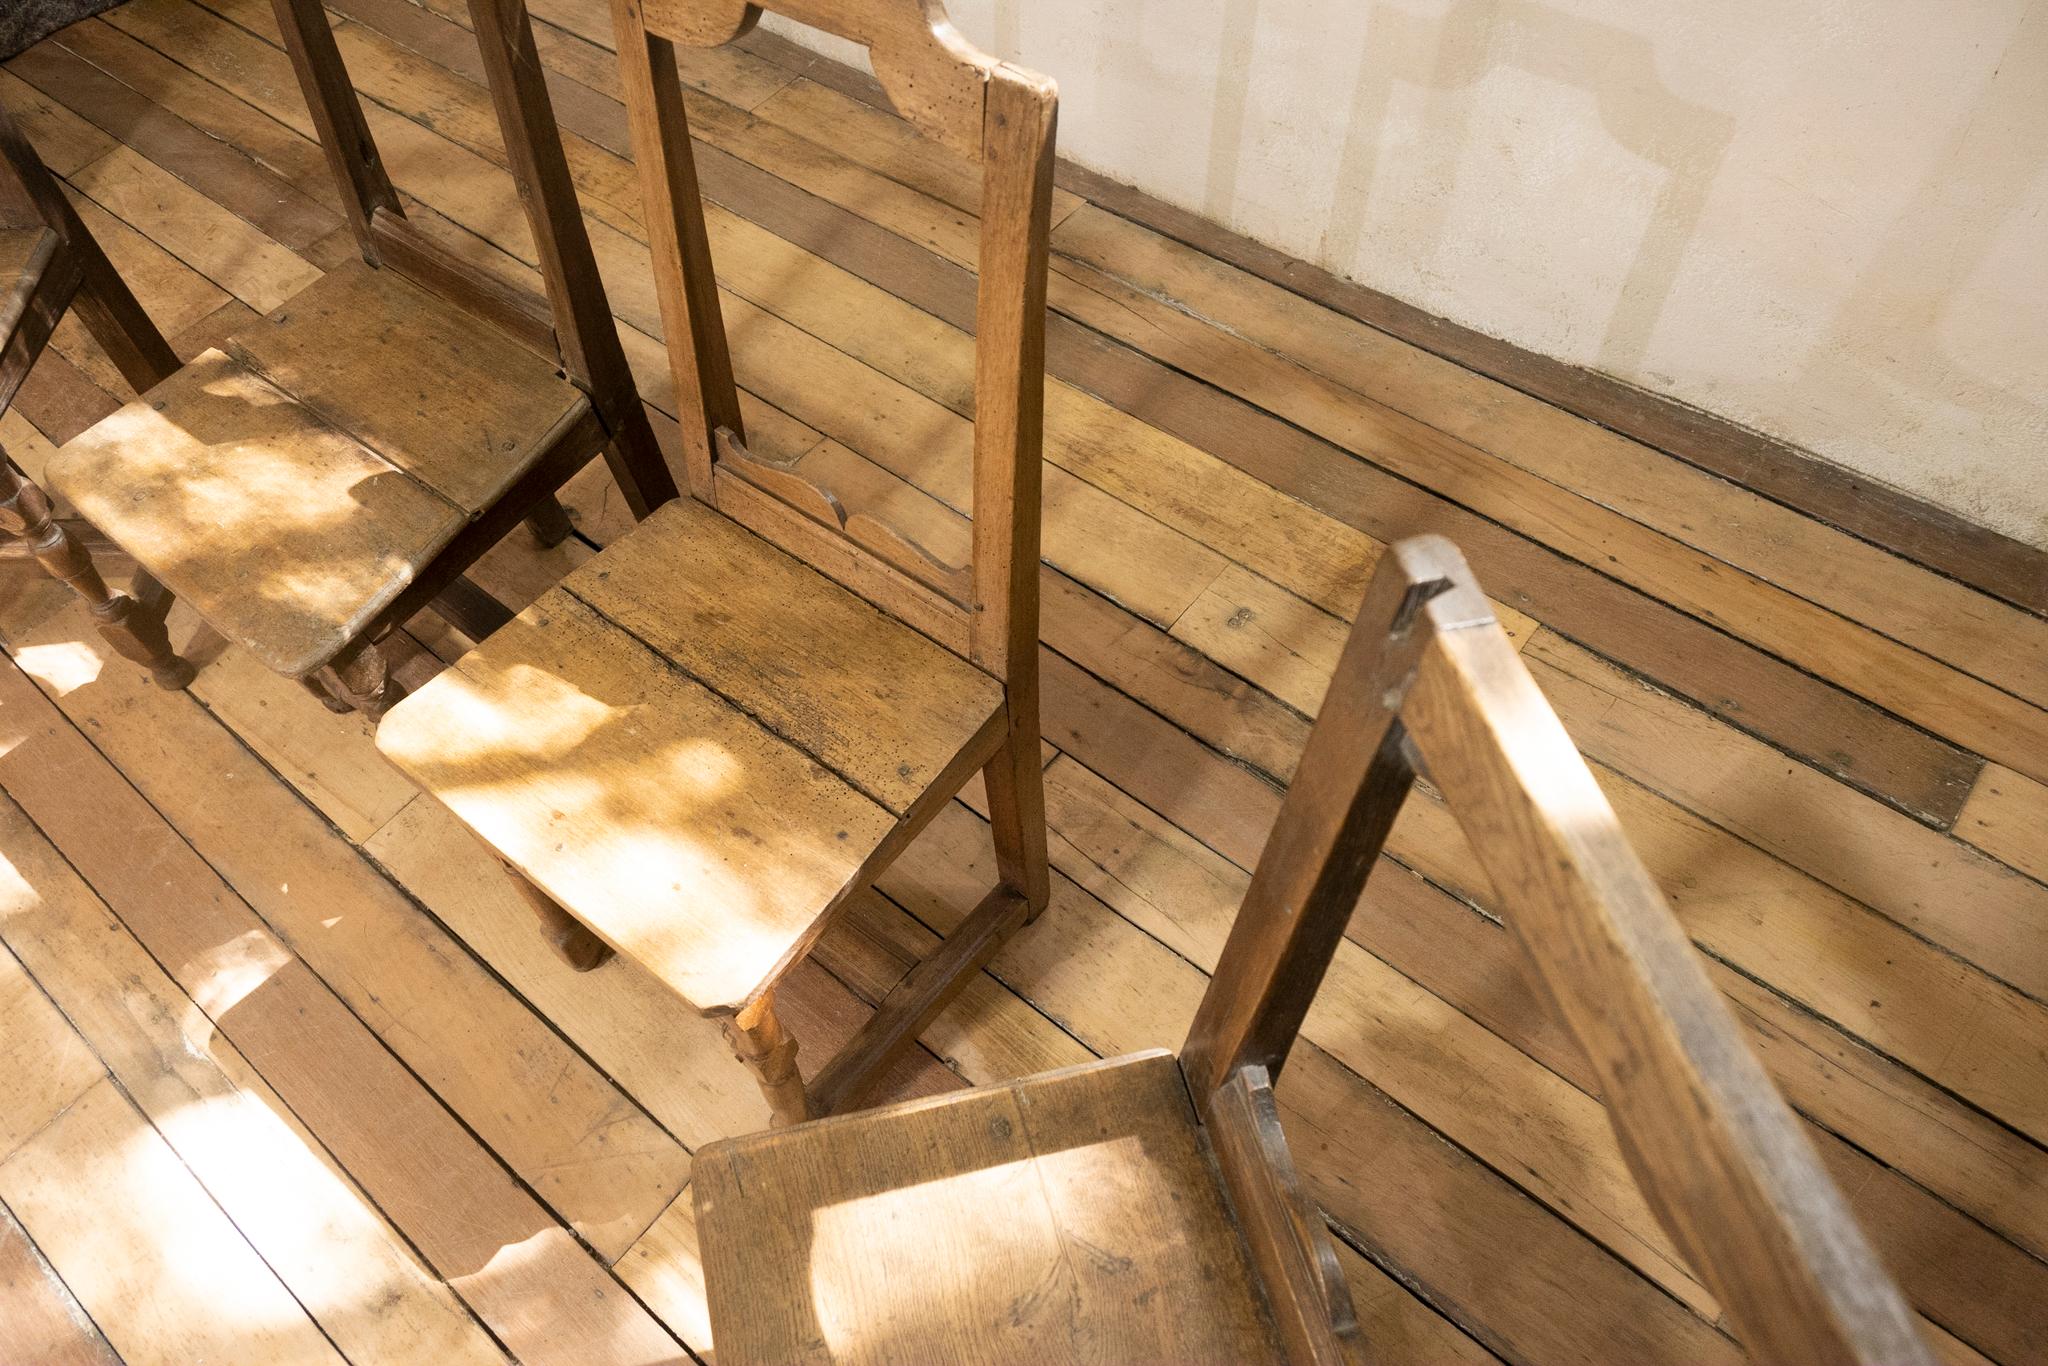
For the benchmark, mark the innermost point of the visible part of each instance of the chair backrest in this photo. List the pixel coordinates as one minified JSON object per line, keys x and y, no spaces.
{"x":982,"y":108}
{"x":574,"y":318}
{"x":64,"y":268}
{"x":1428,"y":684}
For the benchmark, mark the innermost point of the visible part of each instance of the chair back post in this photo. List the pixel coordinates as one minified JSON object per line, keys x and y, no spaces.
{"x":1019,"y":119}
{"x":1719,"y":1155}
{"x":352,"y":155}
{"x":1353,"y":776}
{"x":1427,"y":682}
{"x":585,"y":333}
{"x":964,"y":99}
{"x":707,"y":397}
{"x":80,"y":277}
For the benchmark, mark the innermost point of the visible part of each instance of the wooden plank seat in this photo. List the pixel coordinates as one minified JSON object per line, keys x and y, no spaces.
{"x":1071,"y":1216}
{"x":337,"y":466}
{"x":698,"y":746}
{"x":291,"y":487}
{"x":1078,"y":1215}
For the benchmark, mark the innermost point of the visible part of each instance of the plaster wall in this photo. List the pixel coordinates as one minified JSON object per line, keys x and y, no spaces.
{"x":1827,"y":220}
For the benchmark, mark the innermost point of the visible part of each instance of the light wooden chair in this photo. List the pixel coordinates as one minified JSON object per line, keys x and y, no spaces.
{"x":1146,"y":1208}
{"x":49,"y":263}
{"x":700,"y":747}
{"x":341,"y":462}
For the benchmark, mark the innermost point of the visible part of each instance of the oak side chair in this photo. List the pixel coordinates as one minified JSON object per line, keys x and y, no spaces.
{"x":49,"y":263}
{"x":1146,"y":1207}
{"x":698,"y":746}
{"x":344,"y":460}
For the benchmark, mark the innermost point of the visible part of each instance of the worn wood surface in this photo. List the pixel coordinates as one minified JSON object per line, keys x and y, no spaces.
{"x":1452,"y":1133}
{"x":1071,"y":1215}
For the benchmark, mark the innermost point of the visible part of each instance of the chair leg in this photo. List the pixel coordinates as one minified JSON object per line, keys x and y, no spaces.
{"x":549,"y":522}
{"x":360,"y":679}
{"x":1016,"y":819}
{"x":569,"y":937}
{"x":637,"y":463}
{"x":134,"y":630}
{"x":758,"y":1040}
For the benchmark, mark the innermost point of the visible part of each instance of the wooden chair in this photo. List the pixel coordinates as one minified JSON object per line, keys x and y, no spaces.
{"x":1078,"y":1215}
{"x":340,"y":463}
{"x":49,"y":263}
{"x":700,"y":747}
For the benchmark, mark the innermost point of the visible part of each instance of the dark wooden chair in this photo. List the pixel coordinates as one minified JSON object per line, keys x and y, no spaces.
{"x":49,"y":264}
{"x":699,"y":746}
{"x":1078,"y":1215}
{"x":339,"y":464}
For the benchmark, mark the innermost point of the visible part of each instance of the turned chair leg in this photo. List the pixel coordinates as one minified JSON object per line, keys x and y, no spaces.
{"x":549,"y":522}
{"x":758,"y":1040}
{"x":569,"y":937}
{"x":135,"y":630}
{"x":358,"y":679}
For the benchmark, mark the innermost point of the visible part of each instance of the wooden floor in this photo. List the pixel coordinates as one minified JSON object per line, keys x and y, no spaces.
{"x":286,"y":1075}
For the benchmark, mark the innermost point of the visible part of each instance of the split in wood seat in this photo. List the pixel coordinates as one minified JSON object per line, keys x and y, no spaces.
{"x":1145,"y":1208}
{"x":341,"y":462}
{"x":700,"y":747}
{"x":49,"y":263}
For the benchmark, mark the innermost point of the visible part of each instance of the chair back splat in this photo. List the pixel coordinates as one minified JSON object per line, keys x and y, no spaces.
{"x":1428,"y":685}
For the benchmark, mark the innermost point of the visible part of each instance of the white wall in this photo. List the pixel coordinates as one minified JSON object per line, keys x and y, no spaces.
{"x":1825,"y":219}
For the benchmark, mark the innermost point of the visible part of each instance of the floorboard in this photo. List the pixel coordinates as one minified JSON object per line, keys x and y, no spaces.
{"x":268,"y":990}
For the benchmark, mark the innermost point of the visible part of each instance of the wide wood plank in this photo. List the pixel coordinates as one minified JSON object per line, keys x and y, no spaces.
{"x":313,"y":1228}
{"x":152,"y":1259}
{"x":595,"y":1157}
{"x":866,"y":696}
{"x":452,"y":402}
{"x":2007,"y":816}
{"x":39,"y":1320}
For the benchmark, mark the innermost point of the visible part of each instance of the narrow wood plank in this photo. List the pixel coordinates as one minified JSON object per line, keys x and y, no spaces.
{"x":219,"y":172}
{"x":594,"y":1156}
{"x":308,"y":1222}
{"x":1907,"y":1121}
{"x":231,"y":253}
{"x":1893,"y":596}
{"x":1932,"y":884}
{"x":408,"y":1153}
{"x":41,"y":1321}
{"x":2007,"y":816}
{"x":152,"y":1259}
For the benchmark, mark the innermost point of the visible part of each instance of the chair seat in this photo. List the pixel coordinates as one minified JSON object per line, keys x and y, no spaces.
{"x":696,"y":744}
{"x":291,"y":486}
{"x":1070,"y":1216}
